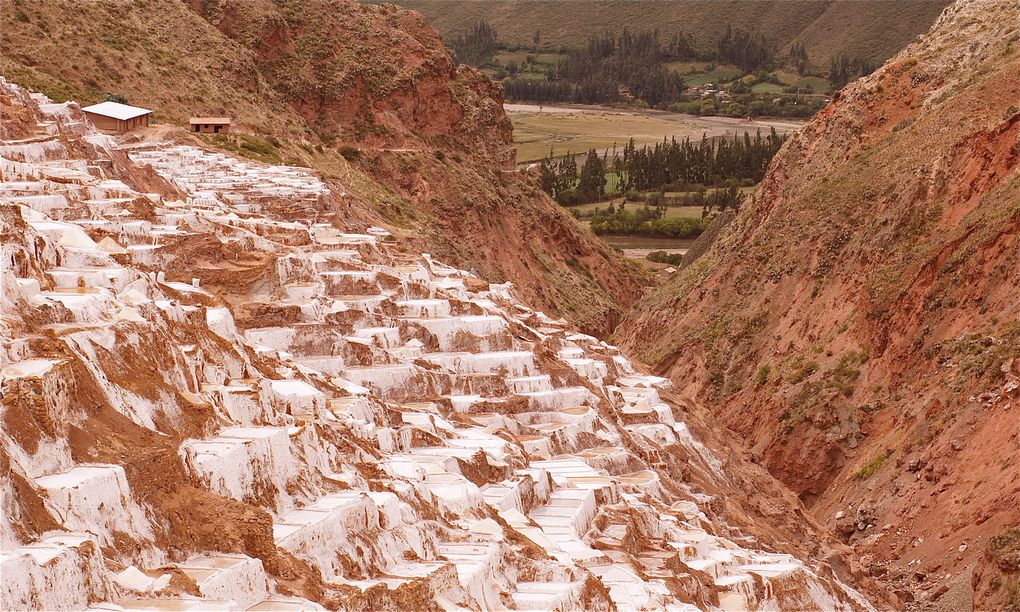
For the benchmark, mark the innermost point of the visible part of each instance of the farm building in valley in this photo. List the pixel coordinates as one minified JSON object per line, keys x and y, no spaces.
{"x":116,"y":117}
{"x":210,"y":125}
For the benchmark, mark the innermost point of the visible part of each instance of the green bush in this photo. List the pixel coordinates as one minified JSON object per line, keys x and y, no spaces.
{"x":646,"y":221}
{"x":567,"y":197}
{"x":673,"y":259}
{"x":350,"y":153}
{"x":805,"y":370}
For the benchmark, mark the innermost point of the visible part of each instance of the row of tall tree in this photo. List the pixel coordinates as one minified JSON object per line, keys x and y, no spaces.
{"x":799,"y":57}
{"x":633,"y":59}
{"x":844,"y":68}
{"x":586,"y":91}
{"x":477,"y":45}
{"x":671,"y":165}
{"x":563,"y":181}
{"x":749,"y":51}
{"x":709,"y":162}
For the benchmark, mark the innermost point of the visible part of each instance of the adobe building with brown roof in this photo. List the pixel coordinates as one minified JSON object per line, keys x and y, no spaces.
{"x":210,"y":125}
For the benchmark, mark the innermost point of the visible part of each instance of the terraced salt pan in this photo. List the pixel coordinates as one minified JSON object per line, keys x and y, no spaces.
{"x":340,"y":282}
{"x":28,"y":368}
{"x":60,"y":572}
{"x":593,"y":369}
{"x":424,"y":308}
{"x":67,"y":235}
{"x":95,"y":498}
{"x":237,"y":578}
{"x":48,"y":204}
{"x":114,"y":278}
{"x":479,"y":440}
{"x":446,"y":329}
{"x":241,"y":461}
{"x":272,"y":604}
{"x":530,"y":384}
{"x":32,"y":151}
{"x":367,"y":527}
{"x":550,"y":596}
{"x":567,"y":511}
{"x":382,"y":378}
{"x":478,"y":569}
{"x":560,"y":398}
{"x":629,"y":591}
{"x":454,"y":493}
{"x":383,"y":337}
{"x":191,"y":169}
{"x":513,"y":363}
{"x":298,"y":394}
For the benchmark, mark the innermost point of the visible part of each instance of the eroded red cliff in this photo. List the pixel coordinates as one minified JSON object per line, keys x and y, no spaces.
{"x":857,"y":324}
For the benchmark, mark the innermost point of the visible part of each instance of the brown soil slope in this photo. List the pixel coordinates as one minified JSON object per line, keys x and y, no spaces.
{"x":857,"y":324}
{"x":427,"y":147}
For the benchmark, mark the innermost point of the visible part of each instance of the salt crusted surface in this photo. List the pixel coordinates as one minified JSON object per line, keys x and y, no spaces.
{"x":211,"y":404}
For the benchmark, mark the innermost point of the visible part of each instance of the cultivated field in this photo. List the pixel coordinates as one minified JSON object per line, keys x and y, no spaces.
{"x":587,"y":210}
{"x":700,"y":73}
{"x":575,"y":130}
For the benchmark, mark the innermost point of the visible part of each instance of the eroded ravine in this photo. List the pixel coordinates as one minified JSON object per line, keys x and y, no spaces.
{"x":856,"y":324}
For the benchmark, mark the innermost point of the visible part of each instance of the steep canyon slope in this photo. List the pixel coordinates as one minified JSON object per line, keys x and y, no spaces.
{"x":858,"y":324}
{"x":365,"y":94}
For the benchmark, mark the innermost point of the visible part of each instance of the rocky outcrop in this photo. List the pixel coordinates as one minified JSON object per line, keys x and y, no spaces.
{"x":856,"y":324}
{"x":375,"y":74}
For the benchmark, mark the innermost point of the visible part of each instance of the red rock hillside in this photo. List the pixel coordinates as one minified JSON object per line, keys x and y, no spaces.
{"x":857,"y":324}
{"x":365,"y":94}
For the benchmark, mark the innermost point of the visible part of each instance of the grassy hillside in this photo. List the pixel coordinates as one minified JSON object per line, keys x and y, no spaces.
{"x":875,"y":27}
{"x":134,"y":49}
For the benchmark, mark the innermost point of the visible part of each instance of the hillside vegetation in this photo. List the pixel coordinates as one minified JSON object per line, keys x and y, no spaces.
{"x":856,"y":324}
{"x":877,"y":28}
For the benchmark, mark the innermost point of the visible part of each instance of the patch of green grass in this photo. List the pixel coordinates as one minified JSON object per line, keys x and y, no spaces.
{"x":265,"y":150}
{"x":715,"y":76}
{"x":1005,"y":543}
{"x":869,"y":469}
{"x":54,"y":88}
{"x":587,"y":210}
{"x":538,"y":133}
{"x":842,"y":377}
{"x":803,"y":371}
{"x":763,"y":374}
{"x":767,"y":88}
{"x":818,"y":84}
{"x":980,"y":356}
{"x":672,"y":259}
